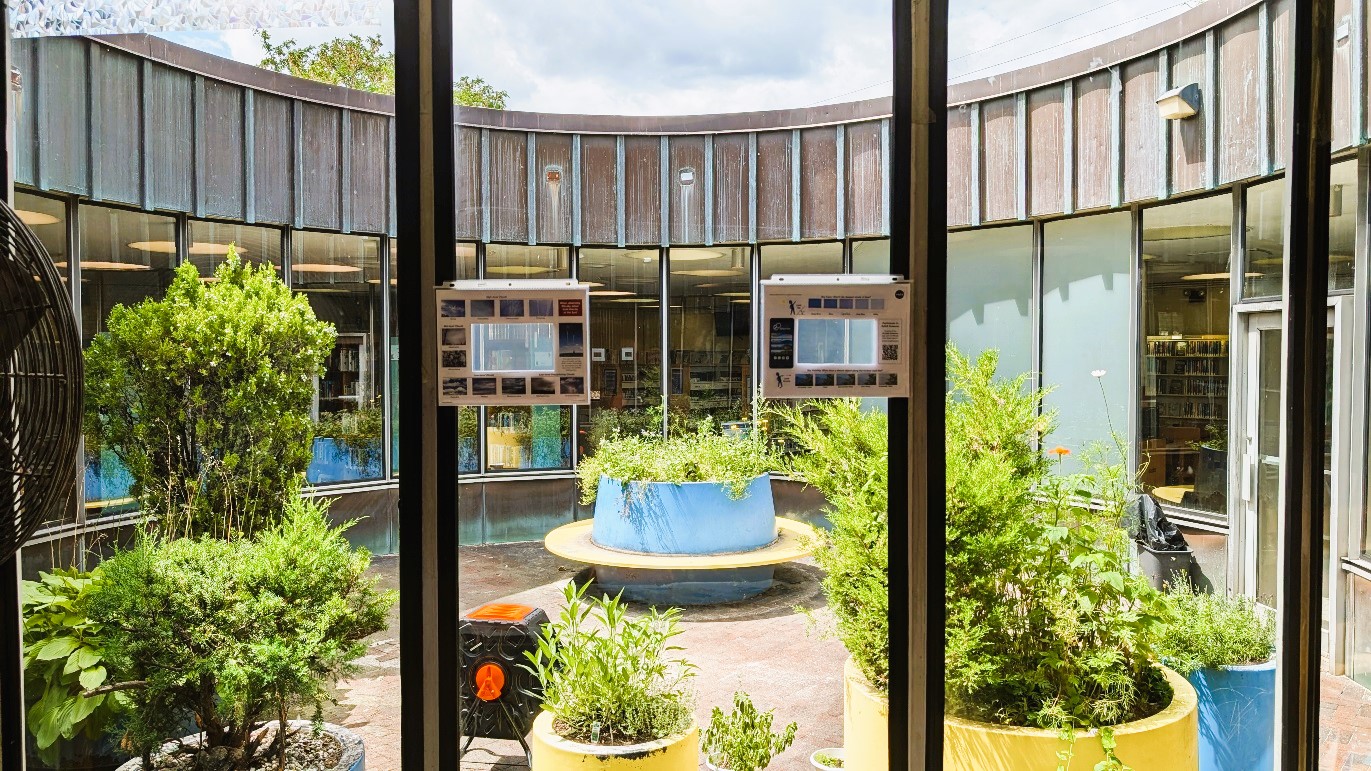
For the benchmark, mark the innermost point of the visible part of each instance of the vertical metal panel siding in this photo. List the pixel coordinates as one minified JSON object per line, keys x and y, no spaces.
{"x":553,"y":154}
{"x":170,"y":136}
{"x":1188,"y":137}
{"x":273,"y":158}
{"x":773,"y":185}
{"x":1279,"y":13}
{"x":1140,"y":129}
{"x":731,"y":174}
{"x":865,"y":198}
{"x":1000,"y":159}
{"x":642,"y":186}
{"x":371,"y":171}
{"x":321,"y":143}
{"x":1239,"y":118}
{"x":818,"y":183}
{"x":687,"y":201}
{"x":599,"y":220}
{"x":1094,"y":141}
{"x":221,"y":151}
{"x":22,"y":59}
{"x":508,"y":186}
{"x":1045,"y":148}
{"x":959,"y":152}
{"x":467,"y":196}
{"x":63,"y":128}
{"x":119,"y":144}
{"x":1342,"y":75}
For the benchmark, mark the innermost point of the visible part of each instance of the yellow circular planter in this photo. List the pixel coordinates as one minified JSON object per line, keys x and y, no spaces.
{"x":553,"y":753}
{"x":866,"y":722}
{"x":1167,"y":741}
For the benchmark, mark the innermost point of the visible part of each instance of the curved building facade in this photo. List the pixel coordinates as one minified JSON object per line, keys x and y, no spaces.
{"x":1130,"y":261}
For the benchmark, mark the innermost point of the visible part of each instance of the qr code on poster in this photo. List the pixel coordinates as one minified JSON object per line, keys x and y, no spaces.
{"x":890,"y":353}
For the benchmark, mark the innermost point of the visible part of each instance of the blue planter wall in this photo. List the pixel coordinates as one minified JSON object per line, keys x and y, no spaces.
{"x":686,"y":518}
{"x":1237,"y":717}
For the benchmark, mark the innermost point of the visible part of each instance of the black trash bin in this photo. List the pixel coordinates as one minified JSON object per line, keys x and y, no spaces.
{"x":1162,"y":550}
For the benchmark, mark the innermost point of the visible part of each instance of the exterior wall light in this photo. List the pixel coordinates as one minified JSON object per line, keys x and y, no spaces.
{"x":687,"y":176}
{"x":1180,"y":103}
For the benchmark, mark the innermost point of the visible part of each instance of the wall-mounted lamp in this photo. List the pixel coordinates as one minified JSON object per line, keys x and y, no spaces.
{"x":687,"y":176}
{"x":1179,"y":103}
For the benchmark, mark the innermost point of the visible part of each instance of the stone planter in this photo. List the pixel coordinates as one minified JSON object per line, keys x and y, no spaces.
{"x":353,"y":759}
{"x":866,"y":722}
{"x":1166,"y":741}
{"x":551,"y":752}
{"x":1237,"y":714}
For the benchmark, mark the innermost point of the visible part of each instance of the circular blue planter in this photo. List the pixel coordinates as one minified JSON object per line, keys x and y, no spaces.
{"x":1237,"y":717}
{"x":692,"y":518}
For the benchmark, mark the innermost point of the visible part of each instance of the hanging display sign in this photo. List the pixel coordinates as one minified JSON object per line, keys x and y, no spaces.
{"x":48,"y":18}
{"x":513,"y":342}
{"x":830,"y":336}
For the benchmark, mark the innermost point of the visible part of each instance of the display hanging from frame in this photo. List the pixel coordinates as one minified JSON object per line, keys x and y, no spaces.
{"x":832,"y":336}
{"x":513,"y":343}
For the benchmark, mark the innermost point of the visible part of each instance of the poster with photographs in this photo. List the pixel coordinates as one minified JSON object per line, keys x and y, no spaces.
{"x":513,"y":343}
{"x":828,"y":336}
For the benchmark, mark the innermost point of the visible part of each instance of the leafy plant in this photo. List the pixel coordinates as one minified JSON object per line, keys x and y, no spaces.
{"x":235,"y":633}
{"x":609,"y":678}
{"x":828,"y":760}
{"x":1047,"y":626}
{"x":205,"y":397}
{"x":743,"y":740}
{"x":1213,"y":630}
{"x":64,"y":659}
{"x":702,"y":455}
{"x":842,"y":450}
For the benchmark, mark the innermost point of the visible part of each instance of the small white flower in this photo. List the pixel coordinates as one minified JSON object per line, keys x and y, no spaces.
{"x":1097,"y":373}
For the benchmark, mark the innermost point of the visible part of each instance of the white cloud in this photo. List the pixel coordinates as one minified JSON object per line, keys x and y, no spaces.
{"x":702,"y":56}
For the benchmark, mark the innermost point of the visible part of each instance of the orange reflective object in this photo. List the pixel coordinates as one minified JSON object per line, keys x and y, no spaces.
{"x":490,"y":681}
{"x":498,"y":611}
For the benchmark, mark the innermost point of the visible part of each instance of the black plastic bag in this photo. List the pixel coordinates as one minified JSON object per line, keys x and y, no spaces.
{"x":1152,"y":529}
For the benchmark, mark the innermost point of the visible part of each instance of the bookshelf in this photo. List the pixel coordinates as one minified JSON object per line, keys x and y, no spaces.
{"x":345,"y":384}
{"x":1185,"y":393}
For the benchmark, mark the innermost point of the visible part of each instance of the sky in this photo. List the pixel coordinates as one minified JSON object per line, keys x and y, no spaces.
{"x":679,"y":57}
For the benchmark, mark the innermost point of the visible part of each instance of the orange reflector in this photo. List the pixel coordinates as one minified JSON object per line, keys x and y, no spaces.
{"x":490,"y":681}
{"x":497,"y":611}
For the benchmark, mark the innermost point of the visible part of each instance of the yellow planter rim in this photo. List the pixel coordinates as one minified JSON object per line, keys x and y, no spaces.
{"x":1184,"y":701}
{"x":542,"y":726}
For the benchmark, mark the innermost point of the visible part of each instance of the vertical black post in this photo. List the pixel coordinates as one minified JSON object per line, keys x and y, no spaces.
{"x":918,"y":249}
{"x":426,"y":228}
{"x":1305,"y":390}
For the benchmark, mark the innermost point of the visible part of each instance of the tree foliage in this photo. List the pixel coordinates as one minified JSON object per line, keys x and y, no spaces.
{"x":743,"y":740}
{"x":205,"y":397}
{"x":364,"y":64}
{"x":235,"y":633}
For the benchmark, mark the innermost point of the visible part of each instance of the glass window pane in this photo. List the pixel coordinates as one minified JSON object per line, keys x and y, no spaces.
{"x":209,"y":242}
{"x":1342,"y":225}
{"x":625,"y":343}
{"x":466,"y":261}
{"x":1087,"y":297}
{"x":341,"y":275}
{"x":1183,"y":431}
{"x":517,"y":261}
{"x":535,"y":437}
{"x":126,"y":257}
{"x":802,"y":259}
{"x":1265,"y":268}
{"x":989,"y":285}
{"x":711,"y":331}
{"x":871,"y":256}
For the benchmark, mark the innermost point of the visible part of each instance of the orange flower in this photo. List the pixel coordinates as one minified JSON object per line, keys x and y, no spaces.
{"x":1060,"y":451}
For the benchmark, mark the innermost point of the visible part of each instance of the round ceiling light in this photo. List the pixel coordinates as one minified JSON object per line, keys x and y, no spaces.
{"x":690,"y":255}
{"x":159,"y":247}
{"x":706,"y":272}
{"x":516,"y":270}
{"x":32,"y":218}
{"x":109,"y":265}
{"x":209,"y":247}
{"x":323,"y":267}
{"x":735,"y":294}
{"x":610,"y":293}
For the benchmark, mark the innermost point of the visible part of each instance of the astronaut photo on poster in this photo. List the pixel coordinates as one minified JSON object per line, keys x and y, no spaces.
{"x":512,"y":342}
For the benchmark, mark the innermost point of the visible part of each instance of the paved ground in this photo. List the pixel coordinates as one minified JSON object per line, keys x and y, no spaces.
{"x":765,"y":646}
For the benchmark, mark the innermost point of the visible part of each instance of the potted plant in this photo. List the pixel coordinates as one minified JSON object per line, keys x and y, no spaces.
{"x":614,"y":692}
{"x":743,"y":740}
{"x":1051,"y":638}
{"x":1224,"y":645}
{"x":841,"y":449}
{"x":697,"y":492}
{"x":827,"y":759}
{"x":239,"y":637}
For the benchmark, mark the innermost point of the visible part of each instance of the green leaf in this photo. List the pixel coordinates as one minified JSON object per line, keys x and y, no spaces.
{"x":56,"y":648}
{"x":93,"y":677}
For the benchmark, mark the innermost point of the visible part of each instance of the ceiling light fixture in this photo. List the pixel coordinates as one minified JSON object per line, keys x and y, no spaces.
{"x":109,"y":265}
{"x":32,"y":218}
{"x":1215,"y":276}
{"x":516,"y":270}
{"x":158,"y":247}
{"x":707,"y":272}
{"x":691,"y":255}
{"x":323,"y":267}
{"x":610,"y":293}
{"x":735,"y":294}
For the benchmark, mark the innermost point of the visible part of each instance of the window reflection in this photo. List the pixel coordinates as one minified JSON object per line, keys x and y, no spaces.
{"x":519,"y":261}
{"x":710,"y":318}
{"x":989,"y":292}
{"x":209,"y":242}
{"x":816,"y":258}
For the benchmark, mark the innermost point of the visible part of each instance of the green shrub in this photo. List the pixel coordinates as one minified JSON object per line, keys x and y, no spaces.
{"x":842,"y":452}
{"x":743,"y":740}
{"x":235,"y":633}
{"x":205,"y":397}
{"x":64,"y":657}
{"x":611,"y":679}
{"x":1212,"y":630}
{"x":699,"y":456}
{"x":1046,"y":624}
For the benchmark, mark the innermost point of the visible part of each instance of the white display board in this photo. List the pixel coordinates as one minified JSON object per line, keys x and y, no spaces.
{"x":827,"y":336}
{"x":513,"y":342}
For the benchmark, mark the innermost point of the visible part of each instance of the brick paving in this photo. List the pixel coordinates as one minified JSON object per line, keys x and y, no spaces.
{"x":765,"y":647}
